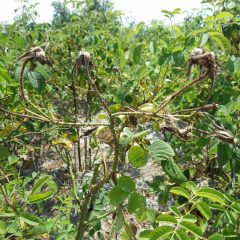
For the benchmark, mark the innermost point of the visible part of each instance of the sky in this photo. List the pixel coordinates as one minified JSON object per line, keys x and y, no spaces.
{"x":138,"y":10}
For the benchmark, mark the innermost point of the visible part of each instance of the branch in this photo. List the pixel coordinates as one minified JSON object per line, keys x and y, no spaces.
{"x":174,"y":95}
{"x":56,"y":122}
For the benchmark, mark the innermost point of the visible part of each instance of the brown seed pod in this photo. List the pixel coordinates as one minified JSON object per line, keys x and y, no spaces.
{"x":206,"y":61}
{"x":33,"y":55}
{"x":83,"y":61}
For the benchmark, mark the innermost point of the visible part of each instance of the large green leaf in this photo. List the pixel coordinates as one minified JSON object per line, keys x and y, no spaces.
{"x":145,"y":235}
{"x":118,"y":221}
{"x":161,"y":232}
{"x":175,"y":210}
{"x":136,"y":202}
{"x":220,"y":40}
{"x":137,"y":156}
{"x":126,"y":184}
{"x":211,"y":194}
{"x":166,"y":218}
{"x":136,"y":30}
{"x":190,"y":186}
{"x":161,"y":151}
{"x":204,"y":210}
{"x":117,"y":196}
{"x":172,"y":170}
{"x":224,"y":15}
{"x":189,"y":218}
{"x":180,"y":191}
{"x":137,"y":53}
{"x":193,"y":228}
{"x":30,"y":219}
{"x":216,"y":236}
{"x":39,"y":197}
{"x":182,"y":235}
{"x":39,"y":183}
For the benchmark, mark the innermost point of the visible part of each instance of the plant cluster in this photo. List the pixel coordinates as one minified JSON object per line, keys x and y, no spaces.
{"x":118,"y":97}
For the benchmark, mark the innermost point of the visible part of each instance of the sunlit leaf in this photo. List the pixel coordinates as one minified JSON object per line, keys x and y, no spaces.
{"x":161,"y":232}
{"x":193,"y":228}
{"x":211,"y":194}
{"x":161,"y":151}
{"x":137,"y":156}
{"x":180,"y":191}
{"x":204,"y":209}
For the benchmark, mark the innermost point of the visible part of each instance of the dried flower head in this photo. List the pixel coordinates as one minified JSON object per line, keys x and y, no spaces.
{"x":83,"y":61}
{"x":33,"y":55}
{"x":206,"y":61}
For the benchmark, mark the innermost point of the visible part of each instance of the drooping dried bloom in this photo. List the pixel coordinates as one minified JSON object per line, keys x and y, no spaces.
{"x":206,"y":61}
{"x":33,"y":55}
{"x":83,"y":61}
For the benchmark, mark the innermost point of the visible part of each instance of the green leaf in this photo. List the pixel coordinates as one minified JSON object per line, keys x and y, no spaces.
{"x":180,"y":191}
{"x":223,"y":153}
{"x":30,"y":219}
{"x":4,"y":153}
{"x":36,"y":231}
{"x":118,"y":221}
{"x":190,"y":186}
{"x":220,"y":40}
{"x":126,"y":184}
{"x":136,"y":202}
{"x":173,"y":171}
{"x":182,"y":235}
{"x":136,"y":30}
{"x":191,"y":227}
{"x":176,"y":11}
{"x":211,"y":194}
{"x":175,"y":210}
{"x":145,"y":235}
{"x":204,"y":210}
{"x":235,"y":206}
{"x":140,"y":135}
{"x":39,"y":183}
{"x":32,"y":79}
{"x":222,"y":15}
{"x":117,"y":196}
{"x":204,"y":39}
{"x":13,"y":159}
{"x":217,"y":207}
{"x":137,"y":156}
{"x":39,"y":197}
{"x":161,"y":151}
{"x":166,"y":218}
{"x":137,"y":53}
{"x":189,"y":218}
{"x":148,"y":107}
{"x":4,"y":74}
{"x":161,"y":232}
{"x":3,"y":228}
{"x":216,"y":237}
{"x":7,"y":215}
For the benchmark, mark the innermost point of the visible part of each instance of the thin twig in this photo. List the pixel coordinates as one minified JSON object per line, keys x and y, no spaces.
{"x":174,"y":95}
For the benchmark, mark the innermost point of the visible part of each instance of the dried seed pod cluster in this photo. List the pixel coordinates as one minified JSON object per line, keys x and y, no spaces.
{"x":33,"y":55}
{"x":83,"y":60}
{"x":206,"y":61}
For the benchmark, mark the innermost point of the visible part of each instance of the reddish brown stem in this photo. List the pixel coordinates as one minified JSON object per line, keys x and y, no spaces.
{"x":21,"y":78}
